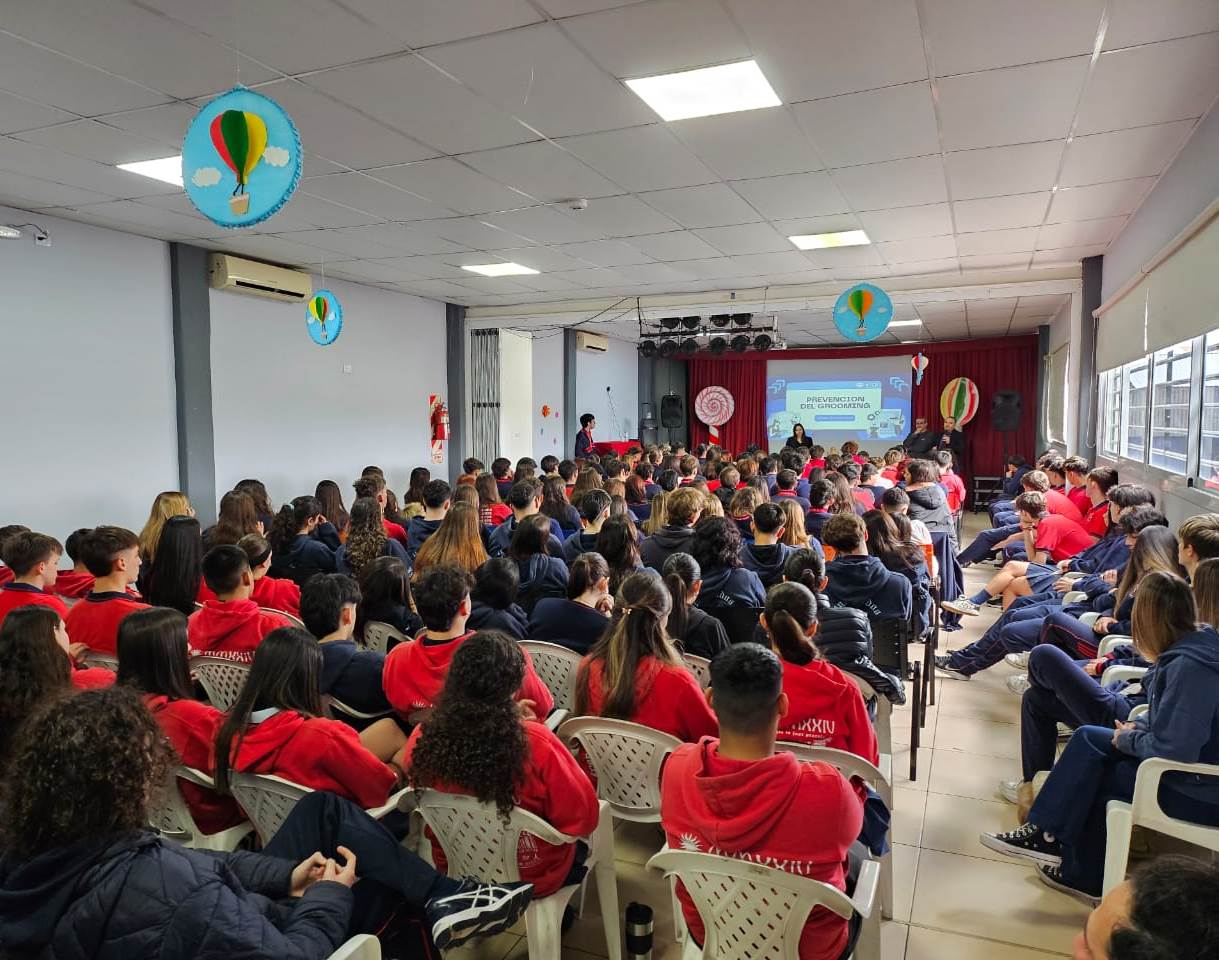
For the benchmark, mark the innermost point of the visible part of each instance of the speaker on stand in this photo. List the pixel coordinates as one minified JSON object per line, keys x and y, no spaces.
{"x":672,"y":413}
{"x":648,"y":433}
{"x":1006,"y":411}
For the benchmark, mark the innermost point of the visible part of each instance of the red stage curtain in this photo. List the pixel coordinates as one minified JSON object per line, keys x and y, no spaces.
{"x":1006,"y":363}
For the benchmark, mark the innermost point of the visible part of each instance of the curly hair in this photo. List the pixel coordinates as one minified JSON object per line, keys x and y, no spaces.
{"x":33,"y":667}
{"x":366,"y":538}
{"x":474,"y":738}
{"x":716,"y":544}
{"x":85,"y":767}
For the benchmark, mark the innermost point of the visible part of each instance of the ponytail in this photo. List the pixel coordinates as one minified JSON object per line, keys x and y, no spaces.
{"x":791,"y":608}
{"x":288,"y":522}
{"x":587,"y":570}
{"x":681,"y":572}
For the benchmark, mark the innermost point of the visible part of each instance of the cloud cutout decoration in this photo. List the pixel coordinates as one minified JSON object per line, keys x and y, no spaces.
{"x":276,"y":156}
{"x":206,"y":177}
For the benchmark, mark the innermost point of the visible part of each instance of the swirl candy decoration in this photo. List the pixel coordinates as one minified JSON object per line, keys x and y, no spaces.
{"x":714,"y":406}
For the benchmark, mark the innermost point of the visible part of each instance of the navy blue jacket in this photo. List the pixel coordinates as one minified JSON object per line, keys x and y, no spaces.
{"x":705,"y":635}
{"x":417,"y":533}
{"x":814,"y":522}
{"x":307,"y":554}
{"x":567,"y":623}
{"x":569,"y":523}
{"x":1108,"y":553}
{"x":863,"y":583}
{"x":542,"y":576}
{"x":392,"y":548}
{"x":731,"y":587}
{"x":501,"y":538}
{"x":353,"y":676}
{"x":577,"y":544}
{"x":1011,"y":485}
{"x":136,"y":897}
{"x":767,"y":562}
{"x":640,"y":511}
{"x":398,"y":616}
{"x":665,"y":542}
{"x":792,"y":495}
{"x":512,"y":619}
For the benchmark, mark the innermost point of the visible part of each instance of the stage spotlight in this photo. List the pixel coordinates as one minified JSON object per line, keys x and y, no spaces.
{"x":742,"y":319}
{"x":668,"y":348}
{"x":717,"y":345}
{"x":763,"y":341}
{"x":720,"y":320}
{"x":691,"y":323}
{"x":689,"y":345}
{"x":647,"y":348}
{"x":740,"y":343}
{"x":670,"y":323}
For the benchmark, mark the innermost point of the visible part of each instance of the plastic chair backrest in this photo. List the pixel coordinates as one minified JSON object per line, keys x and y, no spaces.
{"x":221,"y":679}
{"x":700,"y":667}
{"x":556,"y":666}
{"x":106,"y":661}
{"x":168,"y":812}
{"x":266,"y":800}
{"x":377,"y":636}
{"x":290,"y":617}
{"x":626,"y":757}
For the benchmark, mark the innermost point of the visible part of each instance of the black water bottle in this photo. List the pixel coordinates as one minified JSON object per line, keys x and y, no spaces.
{"x":638,"y":931}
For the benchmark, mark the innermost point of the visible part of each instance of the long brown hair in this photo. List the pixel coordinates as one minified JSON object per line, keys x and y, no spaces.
{"x":1206,"y":591}
{"x":366,"y":538}
{"x":1164,"y":609}
{"x":330,"y":496}
{"x":795,"y":534}
{"x":1155,"y":548}
{"x":844,"y":500}
{"x":236,"y":518}
{"x":33,"y":667}
{"x":589,"y":479}
{"x":457,"y":541}
{"x":791,"y":608}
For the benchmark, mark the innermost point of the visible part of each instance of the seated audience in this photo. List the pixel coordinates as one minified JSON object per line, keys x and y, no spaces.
{"x":525,"y":499}
{"x":594,"y":509}
{"x":693,"y":630}
{"x":78,"y":581}
{"x":577,"y":620}
{"x":302,"y":540}
{"x":458,"y":541}
{"x":232,"y":625}
{"x":716,"y":546}
{"x":372,"y":484}
{"x":34,"y":560}
{"x":385,"y":591}
{"x":366,"y":540}
{"x":890,"y":548}
{"x":35,"y":667}
{"x":492,"y":511}
{"x":859,"y":580}
{"x":330,"y":497}
{"x":175,"y":579}
{"x":169,"y":503}
{"x":112,"y":555}
{"x":542,"y":573}
{"x":928,"y":503}
{"x":765,"y":553}
{"x":795,"y":535}
{"x":437,"y":498}
{"x":412,"y":500}
{"x":256,"y":490}
{"x":617,"y":542}
{"x":493,"y":600}
{"x":681,"y":510}
{"x":786,"y":482}
{"x":556,"y":506}
{"x":821,"y":506}
{"x":271,"y":593}
{"x":235,"y":520}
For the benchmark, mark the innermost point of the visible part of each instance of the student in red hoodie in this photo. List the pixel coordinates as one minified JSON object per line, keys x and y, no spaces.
{"x":735,"y":797}
{"x":112,"y":556}
{"x":6,"y":572}
{"x":34,"y":667}
{"x":270,"y":593}
{"x":1076,"y":471}
{"x":478,"y":741}
{"x":635,"y":673}
{"x":232,"y":625}
{"x":415,"y":671}
{"x":78,"y":581}
{"x":33,"y":558}
{"x":154,"y":661}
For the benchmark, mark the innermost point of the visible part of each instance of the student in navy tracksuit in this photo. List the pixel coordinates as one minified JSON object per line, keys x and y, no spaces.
{"x":594,"y":509}
{"x":785,"y":487}
{"x":525,"y":499}
{"x":542,"y":574}
{"x":858,"y":580}
{"x":437,"y":498}
{"x":1065,"y":831}
{"x":764,"y":554}
{"x":493,"y":603}
{"x":303,"y":542}
{"x":716,"y":546}
{"x":577,"y":620}
{"x":821,"y":501}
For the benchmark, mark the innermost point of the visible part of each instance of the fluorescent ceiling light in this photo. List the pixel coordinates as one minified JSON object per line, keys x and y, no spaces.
{"x":167,"y":169}
{"x":499,"y":269}
{"x":904,"y":323}
{"x":708,"y":91}
{"x":824,"y":241}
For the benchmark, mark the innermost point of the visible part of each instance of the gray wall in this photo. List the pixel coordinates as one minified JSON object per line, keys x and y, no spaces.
{"x":87,"y":373}
{"x":618,"y":369}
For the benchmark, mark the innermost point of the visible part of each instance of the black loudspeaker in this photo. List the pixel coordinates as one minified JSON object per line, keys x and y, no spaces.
{"x":672,"y":413}
{"x":1006,"y":408}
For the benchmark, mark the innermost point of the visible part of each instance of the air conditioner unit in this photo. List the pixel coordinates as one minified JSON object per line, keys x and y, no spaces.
{"x":592,"y":342}
{"x":259,"y":279}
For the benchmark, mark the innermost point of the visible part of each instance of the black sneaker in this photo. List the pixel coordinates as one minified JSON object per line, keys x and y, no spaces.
{"x":1052,"y":878}
{"x":476,"y":910}
{"x":1028,"y":843}
{"x":943,"y":664}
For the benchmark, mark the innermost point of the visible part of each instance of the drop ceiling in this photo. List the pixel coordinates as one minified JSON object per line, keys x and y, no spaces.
{"x":996,"y":138}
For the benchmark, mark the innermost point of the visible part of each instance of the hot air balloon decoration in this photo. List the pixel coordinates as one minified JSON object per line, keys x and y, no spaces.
{"x":324,"y":318}
{"x":920,"y":363}
{"x":241,"y":158}
{"x":960,"y":400}
{"x":863,"y":312}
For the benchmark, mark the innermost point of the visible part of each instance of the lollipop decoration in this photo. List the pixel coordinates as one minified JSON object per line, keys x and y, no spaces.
{"x":714,"y":406}
{"x":324,"y":318}
{"x":920,"y":363}
{"x":959,"y":400}
{"x":863,"y":312}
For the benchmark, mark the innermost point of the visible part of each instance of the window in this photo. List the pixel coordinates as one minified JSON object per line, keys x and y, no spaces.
{"x":1134,"y":409}
{"x":1208,"y":454}
{"x":1172,"y":373}
{"x":1057,"y":406}
{"x":1111,"y":412}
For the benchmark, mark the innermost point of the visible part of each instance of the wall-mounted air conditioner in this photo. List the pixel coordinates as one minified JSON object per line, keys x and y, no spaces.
{"x":592,"y":342}
{"x":259,"y":279}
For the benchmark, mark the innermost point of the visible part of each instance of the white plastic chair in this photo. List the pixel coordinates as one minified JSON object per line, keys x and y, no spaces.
{"x":477,"y":843}
{"x":1111,"y":642}
{"x":222,"y":679}
{"x":268,"y":800}
{"x":290,"y":617}
{"x":338,"y":706}
{"x":1074,"y":596}
{"x":106,"y":661}
{"x":1120,"y":673}
{"x":1087,"y":619}
{"x":1144,"y":810}
{"x":556,"y":667}
{"x":171,"y":817}
{"x":1074,"y":574}
{"x":700,"y":667}
{"x":363,"y":946}
{"x":883,"y":724}
{"x":626,"y":757}
{"x":1138,"y":711}
{"x":756,"y":912}
{"x":377,"y":636}
{"x":853,"y":765}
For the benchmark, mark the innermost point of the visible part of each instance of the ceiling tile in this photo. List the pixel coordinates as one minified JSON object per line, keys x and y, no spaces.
{"x":539,"y":76}
{"x":21,"y":157}
{"x":997,"y":241}
{"x":907,"y":223}
{"x":1000,"y":213}
{"x":749,"y":144}
{"x":604,"y":253}
{"x":811,"y":48}
{"x":795,"y":195}
{"x":941,"y":310}
{"x":1173,"y":80}
{"x":372,"y":196}
{"x":26,"y":192}
{"x":746,"y":238}
{"x":925,"y":266}
{"x":1081,"y":233}
{"x":913,"y":251}
{"x":591,"y":277}
{"x":432,"y":108}
{"x":279,"y":249}
{"x":1136,"y":21}
{"x":469,"y":232}
{"x":996,"y":261}
{"x":641,"y":158}
{"x":436,"y":289}
{"x":18,"y":113}
{"x":574,"y":8}
{"x":998,"y":308}
{"x":451,"y":184}
{"x":678,"y":245}
{"x":663,"y":36}
{"x":421,"y":23}
{"x":714,"y":268}
{"x":804,"y":226}
{"x":1098,"y":200}
{"x":380,"y":240}
{"x":542,"y":170}
{"x":967,"y":35}
{"x":897,"y":183}
{"x":165,"y":124}
{"x":1066,"y":255}
{"x":624,"y":217}
{"x":841,"y":257}
{"x":886,"y":124}
{"x":711,"y":205}
{"x":791,"y":261}
{"x":375,"y":270}
{"x":95,"y":141}
{"x":1000,"y":171}
{"x":445,"y":266}
{"x":1042,"y":304}
{"x":1012,"y":105}
{"x":653,"y":273}
{"x":1123,"y":154}
{"x":547,"y":282}
{"x":546,"y":259}
{"x":544,"y":225}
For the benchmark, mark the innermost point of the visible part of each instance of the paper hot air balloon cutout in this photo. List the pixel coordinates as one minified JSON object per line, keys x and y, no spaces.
{"x":545,"y":410}
{"x":920,"y":363}
{"x":241,"y":158}
{"x":960,"y":400}
{"x":324,"y":318}
{"x":863,"y":312}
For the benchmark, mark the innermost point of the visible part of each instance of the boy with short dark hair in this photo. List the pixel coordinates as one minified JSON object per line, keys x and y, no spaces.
{"x":78,"y":581}
{"x":954,"y":486}
{"x":820,"y":502}
{"x":437,"y":498}
{"x":785,"y":487}
{"x":594,"y":510}
{"x":112,"y":557}
{"x":33,"y":558}
{"x":615,"y":470}
{"x":11,"y":530}
{"x":501,"y":469}
{"x":687,"y":467}
{"x":550,"y":465}
{"x":231,"y":626}
{"x":859,"y":580}
{"x":764,"y":554}
{"x":567,"y":472}
{"x":350,"y":675}
{"x":525,"y":499}
{"x":373,"y":485}
{"x":1076,"y":471}
{"x":644,"y":471}
{"x":472,"y":467}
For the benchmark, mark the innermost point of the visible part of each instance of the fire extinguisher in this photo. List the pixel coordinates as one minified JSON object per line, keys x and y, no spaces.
{"x":440,"y":422}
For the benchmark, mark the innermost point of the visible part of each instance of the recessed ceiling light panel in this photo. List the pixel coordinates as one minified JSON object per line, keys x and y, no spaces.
{"x":728,"y":88}
{"x":166,"y":169}
{"x":824,"y":241}
{"x":499,"y":269}
{"x":905,"y":323}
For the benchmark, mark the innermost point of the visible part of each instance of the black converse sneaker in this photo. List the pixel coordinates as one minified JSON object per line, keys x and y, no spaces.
{"x":1029,"y":842}
{"x":1052,"y":877}
{"x":943,"y":663}
{"x":476,"y":910}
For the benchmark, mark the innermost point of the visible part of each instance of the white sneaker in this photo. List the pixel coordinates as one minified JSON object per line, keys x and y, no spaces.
{"x":1018,"y":684}
{"x":966,"y":608}
{"x":1009,"y":790}
{"x":1065,"y":732}
{"x":1018,"y":660}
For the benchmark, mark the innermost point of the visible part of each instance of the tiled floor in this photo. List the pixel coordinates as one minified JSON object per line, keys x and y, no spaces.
{"x":954,"y":899}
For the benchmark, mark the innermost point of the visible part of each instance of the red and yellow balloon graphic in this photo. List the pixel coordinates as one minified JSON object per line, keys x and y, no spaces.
{"x":860,"y":302}
{"x":319,"y":309}
{"x":240,"y":137}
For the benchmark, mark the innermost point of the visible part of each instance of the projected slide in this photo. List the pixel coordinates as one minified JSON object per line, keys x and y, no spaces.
{"x":867,"y":400}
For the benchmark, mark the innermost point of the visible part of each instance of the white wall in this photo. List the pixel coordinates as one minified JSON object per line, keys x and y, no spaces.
{"x":515,"y":395}
{"x":87,"y":374}
{"x":285,"y":412}
{"x":1065,"y":328}
{"x":618,"y":369}
{"x":549,"y":433}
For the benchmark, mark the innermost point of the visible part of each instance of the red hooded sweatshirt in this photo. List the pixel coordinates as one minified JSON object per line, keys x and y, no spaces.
{"x":761,"y":811}
{"x":825,"y":709}
{"x":6,"y":574}
{"x":94,"y":621}
{"x":314,"y":752}
{"x":552,"y":786}
{"x":191,"y":727}
{"x":667,"y":698}
{"x":14,"y":595}
{"x":232,"y":628}
{"x":91,"y":678}
{"x":270,"y":593}
{"x":415,"y":672}
{"x":70,"y":583}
